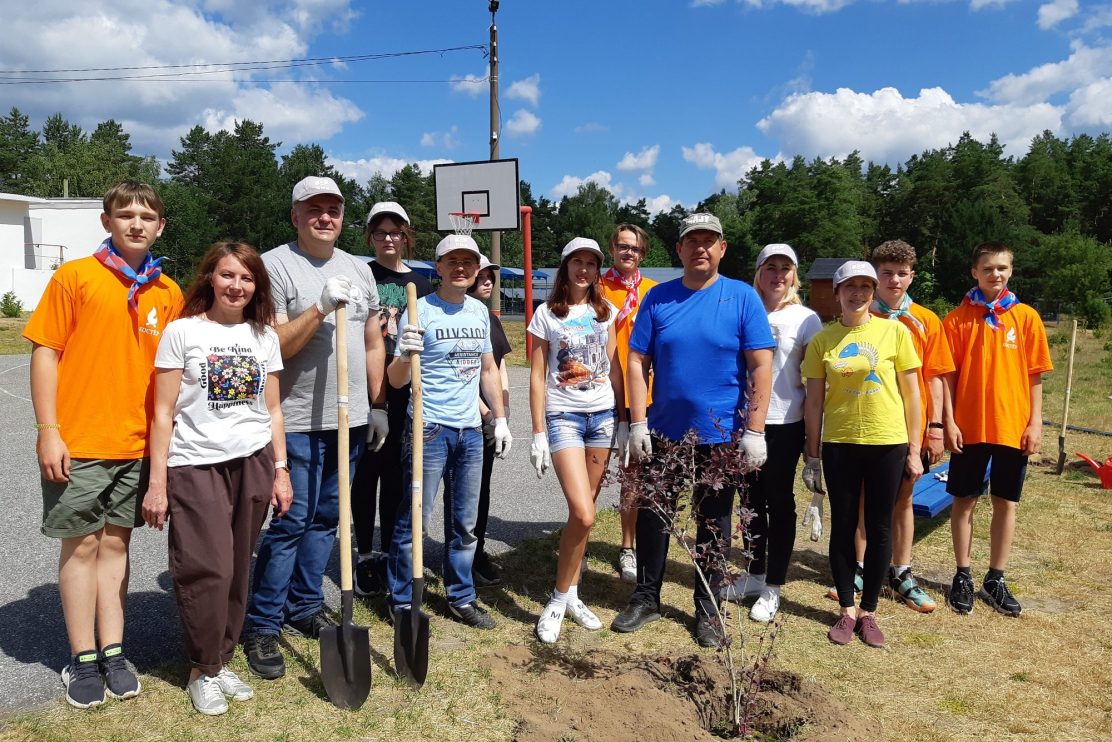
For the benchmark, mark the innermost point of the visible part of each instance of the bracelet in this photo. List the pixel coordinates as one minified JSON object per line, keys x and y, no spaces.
{"x":281,"y":464}
{"x":760,"y":433}
{"x":940,"y":426}
{"x":48,"y":426}
{"x":934,"y":436}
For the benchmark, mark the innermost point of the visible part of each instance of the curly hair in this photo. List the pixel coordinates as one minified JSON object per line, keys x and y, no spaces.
{"x":894,"y":251}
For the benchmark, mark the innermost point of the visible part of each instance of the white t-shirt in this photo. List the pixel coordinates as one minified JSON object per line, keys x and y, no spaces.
{"x":578,"y":367}
{"x":221,"y":411}
{"x":792,"y":329}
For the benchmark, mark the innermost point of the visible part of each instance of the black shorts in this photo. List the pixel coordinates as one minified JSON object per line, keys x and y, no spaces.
{"x":967,"y":471}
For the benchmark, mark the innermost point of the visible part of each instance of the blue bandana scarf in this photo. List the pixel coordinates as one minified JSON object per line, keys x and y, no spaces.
{"x":903,"y":310}
{"x":1003,"y":303}
{"x":149,"y":271}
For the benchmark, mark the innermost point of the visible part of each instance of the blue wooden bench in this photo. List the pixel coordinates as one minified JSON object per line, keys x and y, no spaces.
{"x":929,"y":498}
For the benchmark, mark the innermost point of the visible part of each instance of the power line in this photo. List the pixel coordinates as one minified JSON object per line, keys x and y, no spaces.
{"x":453,"y":81}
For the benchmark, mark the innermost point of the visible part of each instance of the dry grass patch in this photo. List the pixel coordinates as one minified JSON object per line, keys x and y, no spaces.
{"x":11,"y":338}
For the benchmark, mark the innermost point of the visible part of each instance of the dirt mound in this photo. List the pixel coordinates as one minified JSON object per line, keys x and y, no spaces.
{"x":555,"y":695}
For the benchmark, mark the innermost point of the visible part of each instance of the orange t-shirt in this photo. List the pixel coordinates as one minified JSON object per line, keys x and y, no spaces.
{"x":615,"y":293}
{"x":933,"y":350}
{"x":105,"y":391}
{"x":992,"y":397}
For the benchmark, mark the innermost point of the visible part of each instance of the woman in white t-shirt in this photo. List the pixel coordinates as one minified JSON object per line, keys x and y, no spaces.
{"x":218,"y":457}
{"x":574,"y":381}
{"x":770,"y":491}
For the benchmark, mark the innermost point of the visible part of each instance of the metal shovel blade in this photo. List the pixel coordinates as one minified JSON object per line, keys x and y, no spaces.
{"x":411,"y":639}
{"x":345,"y":660}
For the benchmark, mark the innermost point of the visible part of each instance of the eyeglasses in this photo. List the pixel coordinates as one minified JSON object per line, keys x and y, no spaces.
{"x":381,"y":236}
{"x":621,"y":247}
{"x":462,"y":263}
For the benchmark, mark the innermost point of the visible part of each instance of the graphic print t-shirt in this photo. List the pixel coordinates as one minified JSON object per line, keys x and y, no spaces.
{"x":578,"y":367}
{"x":456,"y":336}
{"x":792,"y":329}
{"x":221,"y":411}
{"x":391,"y":300}
{"x":860,"y":364}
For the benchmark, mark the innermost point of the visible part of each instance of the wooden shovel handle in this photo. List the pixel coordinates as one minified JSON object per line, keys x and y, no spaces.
{"x":418,"y":438}
{"x":343,"y":447}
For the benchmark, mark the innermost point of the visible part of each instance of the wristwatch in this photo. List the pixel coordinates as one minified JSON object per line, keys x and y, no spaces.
{"x":282,"y":464}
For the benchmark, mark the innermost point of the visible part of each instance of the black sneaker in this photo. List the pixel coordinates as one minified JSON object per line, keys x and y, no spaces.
{"x":310,"y":626}
{"x":634,"y":616}
{"x":472,"y":614}
{"x":367,"y":581}
{"x":996,"y":593}
{"x":484,"y":572}
{"x":708,"y":631}
{"x":84,"y":686}
{"x":961,"y":593}
{"x":120,"y":680}
{"x":263,"y":656}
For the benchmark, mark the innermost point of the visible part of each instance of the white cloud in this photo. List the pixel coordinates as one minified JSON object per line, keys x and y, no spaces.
{"x":1084,"y":65}
{"x":646,"y":180}
{"x":591,"y":127}
{"x":1090,"y":107}
{"x":982,"y":4}
{"x":663,"y":202}
{"x":729,"y":167}
{"x":528,"y":90}
{"x":886,"y":127}
{"x":521,"y":124}
{"x":290,"y":112}
{"x":1056,"y":11}
{"x":569,"y":184}
{"x":473,"y":85}
{"x":643,"y":160}
{"x":443,"y":139}
{"x":385,"y":165}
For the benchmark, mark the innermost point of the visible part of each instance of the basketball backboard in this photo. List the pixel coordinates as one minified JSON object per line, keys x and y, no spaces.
{"x":488,"y":188}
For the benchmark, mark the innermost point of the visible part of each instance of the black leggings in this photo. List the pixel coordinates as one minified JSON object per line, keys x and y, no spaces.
{"x":772,"y":499}
{"x":380,"y":474}
{"x":484,"y":498}
{"x":846,"y":467}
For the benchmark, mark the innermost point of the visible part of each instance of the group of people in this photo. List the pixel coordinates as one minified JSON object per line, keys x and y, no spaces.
{"x":224,"y":410}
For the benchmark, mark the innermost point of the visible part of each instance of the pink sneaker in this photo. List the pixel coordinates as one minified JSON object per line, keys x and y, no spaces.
{"x":870,"y":633}
{"x":842,"y":630}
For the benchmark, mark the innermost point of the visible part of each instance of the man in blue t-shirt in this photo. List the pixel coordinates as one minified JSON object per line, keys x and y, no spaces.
{"x":453,"y":339}
{"x":707,"y":340}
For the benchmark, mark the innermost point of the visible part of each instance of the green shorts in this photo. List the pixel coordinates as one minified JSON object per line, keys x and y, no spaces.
{"x":99,"y":491}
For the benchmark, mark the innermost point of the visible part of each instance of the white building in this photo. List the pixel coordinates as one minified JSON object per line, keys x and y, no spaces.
{"x":39,"y":234}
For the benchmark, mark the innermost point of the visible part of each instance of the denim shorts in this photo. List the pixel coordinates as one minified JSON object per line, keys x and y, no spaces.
{"x":580,"y":429}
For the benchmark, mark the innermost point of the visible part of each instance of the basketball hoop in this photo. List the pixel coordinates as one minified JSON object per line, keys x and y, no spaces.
{"x":464,"y":221}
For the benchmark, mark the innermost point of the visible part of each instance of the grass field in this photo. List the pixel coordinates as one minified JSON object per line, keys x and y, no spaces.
{"x":1045,"y":675}
{"x":11,"y":342}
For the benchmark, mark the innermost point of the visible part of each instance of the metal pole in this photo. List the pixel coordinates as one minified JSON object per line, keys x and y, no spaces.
{"x":495,"y":123}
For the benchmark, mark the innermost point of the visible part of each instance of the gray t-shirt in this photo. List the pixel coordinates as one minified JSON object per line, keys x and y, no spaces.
{"x":308,"y":382}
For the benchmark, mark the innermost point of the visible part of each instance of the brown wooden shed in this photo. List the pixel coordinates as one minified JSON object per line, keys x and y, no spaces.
{"x":821,"y":295}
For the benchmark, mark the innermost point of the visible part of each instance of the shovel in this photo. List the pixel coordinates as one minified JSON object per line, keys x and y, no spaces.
{"x":411,"y":626}
{"x":345,"y":650}
{"x":1066,"y":406}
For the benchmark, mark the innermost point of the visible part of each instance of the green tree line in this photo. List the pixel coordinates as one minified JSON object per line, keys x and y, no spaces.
{"x":1053,"y":205}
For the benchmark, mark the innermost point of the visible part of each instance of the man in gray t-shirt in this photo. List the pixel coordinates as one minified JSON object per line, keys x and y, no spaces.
{"x":309,"y":278}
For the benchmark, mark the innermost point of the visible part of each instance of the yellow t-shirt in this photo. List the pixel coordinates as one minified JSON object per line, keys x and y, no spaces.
{"x":860,"y":364}
{"x":105,"y":395}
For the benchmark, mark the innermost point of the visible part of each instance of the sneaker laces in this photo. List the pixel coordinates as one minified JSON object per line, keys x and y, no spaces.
{"x":266,"y":643}
{"x":210,"y":690}
{"x":83,"y":670}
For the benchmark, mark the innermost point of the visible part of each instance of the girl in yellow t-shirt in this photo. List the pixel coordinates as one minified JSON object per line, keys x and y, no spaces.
{"x":863,"y":396}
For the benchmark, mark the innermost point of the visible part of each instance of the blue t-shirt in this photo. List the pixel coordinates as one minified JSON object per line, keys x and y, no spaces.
{"x":697,"y":341}
{"x":456,"y":336}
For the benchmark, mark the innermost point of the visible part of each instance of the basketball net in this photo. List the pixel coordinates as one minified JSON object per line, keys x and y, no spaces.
{"x":463,"y":222}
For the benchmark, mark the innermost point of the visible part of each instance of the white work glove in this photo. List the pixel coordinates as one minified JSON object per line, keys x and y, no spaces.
{"x":377,"y":429}
{"x":539,"y":454}
{"x":621,"y":442}
{"x":502,"y":438}
{"x":754,"y":450}
{"x":814,"y":516}
{"x":812,"y":475}
{"x":337,"y":289}
{"x":640,"y":442}
{"x":411,"y":340}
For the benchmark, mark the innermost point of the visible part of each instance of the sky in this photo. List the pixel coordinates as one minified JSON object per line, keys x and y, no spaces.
{"x":669,"y":101}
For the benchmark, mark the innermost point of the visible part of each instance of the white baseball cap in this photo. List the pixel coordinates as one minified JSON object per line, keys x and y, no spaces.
{"x":583,"y":243}
{"x":388,"y":207}
{"x":314,"y":185}
{"x":775,"y":249}
{"x":484,"y":262}
{"x":457,"y":242}
{"x":853,"y":269}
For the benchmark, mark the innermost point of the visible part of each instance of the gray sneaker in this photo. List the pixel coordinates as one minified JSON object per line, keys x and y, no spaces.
{"x":232,"y":687}
{"x":83,"y":682}
{"x":627,"y":565}
{"x":206,"y":696}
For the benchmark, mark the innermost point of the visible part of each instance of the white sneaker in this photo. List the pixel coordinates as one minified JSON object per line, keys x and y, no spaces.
{"x":627,"y":565}
{"x":764,"y":610}
{"x":583,"y":615}
{"x":745,"y":586}
{"x":552,"y":617}
{"x":232,"y":687}
{"x":206,"y":695}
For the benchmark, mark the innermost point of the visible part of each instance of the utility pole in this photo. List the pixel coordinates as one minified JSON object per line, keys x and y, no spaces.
{"x":495,"y":127}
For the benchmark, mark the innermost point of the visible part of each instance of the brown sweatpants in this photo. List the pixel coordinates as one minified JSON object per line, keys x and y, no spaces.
{"x":216,"y":513}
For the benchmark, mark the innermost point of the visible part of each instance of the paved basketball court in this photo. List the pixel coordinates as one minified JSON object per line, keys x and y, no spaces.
{"x":33,"y":647}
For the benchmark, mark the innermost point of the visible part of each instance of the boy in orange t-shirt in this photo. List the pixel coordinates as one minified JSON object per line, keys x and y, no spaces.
{"x":94,"y":334}
{"x":994,"y":413}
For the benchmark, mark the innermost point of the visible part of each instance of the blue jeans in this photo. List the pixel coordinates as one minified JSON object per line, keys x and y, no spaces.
{"x":456,"y":456}
{"x":293,"y":552}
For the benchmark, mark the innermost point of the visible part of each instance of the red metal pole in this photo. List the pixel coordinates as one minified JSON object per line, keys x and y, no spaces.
{"x":527,"y":261}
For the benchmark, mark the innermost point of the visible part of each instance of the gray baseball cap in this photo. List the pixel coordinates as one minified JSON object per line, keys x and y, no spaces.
{"x":700,"y":220}
{"x":388,"y":207}
{"x":457,"y":242}
{"x":853,"y":269}
{"x":314,"y":185}
{"x":484,"y":262}
{"x":583,"y":243}
{"x":779,"y":248}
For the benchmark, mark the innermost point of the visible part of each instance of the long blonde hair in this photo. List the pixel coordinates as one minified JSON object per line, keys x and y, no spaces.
{"x":792,"y":297}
